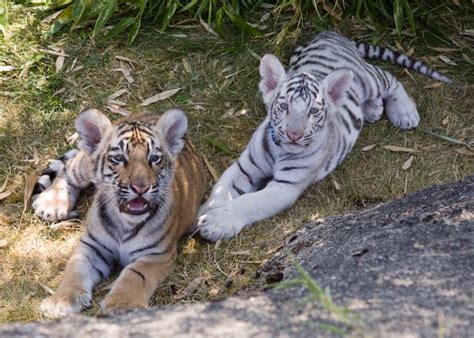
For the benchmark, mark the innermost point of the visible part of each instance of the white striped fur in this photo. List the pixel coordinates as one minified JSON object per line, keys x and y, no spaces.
{"x":315,"y":114}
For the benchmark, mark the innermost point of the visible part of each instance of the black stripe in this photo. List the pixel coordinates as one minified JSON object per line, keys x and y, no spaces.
{"x":96,"y":269}
{"x":96,"y":251}
{"x":252,"y":160}
{"x":135,"y":230}
{"x":284,"y":181}
{"x":244,"y":172}
{"x":152,"y":245}
{"x":294,"y":168}
{"x":106,"y":220}
{"x":356,"y":122}
{"x":100,"y":244}
{"x":138,"y":273}
{"x":38,"y":189}
{"x":239,"y":191}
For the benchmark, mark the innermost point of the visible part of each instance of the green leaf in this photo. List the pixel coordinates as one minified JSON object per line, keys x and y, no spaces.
{"x":170,"y":10}
{"x":141,"y":6}
{"x":219,"y":21}
{"x":64,"y":18}
{"x":409,"y":13}
{"x":104,"y":16}
{"x":238,"y":21}
{"x":201,"y":8}
{"x":134,"y":31}
{"x":78,"y":8}
{"x":120,"y":27}
{"x":3,"y":17}
{"x":188,"y":6}
{"x":398,"y":15}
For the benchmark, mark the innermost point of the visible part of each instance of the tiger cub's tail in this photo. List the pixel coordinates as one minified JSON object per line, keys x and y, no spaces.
{"x":386,"y":54}
{"x":50,"y":173}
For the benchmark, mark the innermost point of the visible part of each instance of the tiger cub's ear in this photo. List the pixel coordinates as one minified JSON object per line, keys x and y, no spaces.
{"x":335,"y":86}
{"x":272,"y":74}
{"x":91,"y":126}
{"x":172,"y":127}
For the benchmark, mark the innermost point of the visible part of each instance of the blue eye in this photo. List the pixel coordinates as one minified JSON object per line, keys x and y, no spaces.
{"x":155,"y":159}
{"x":283,"y":106}
{"x":313,"y":111}
{"x":119,"y":159}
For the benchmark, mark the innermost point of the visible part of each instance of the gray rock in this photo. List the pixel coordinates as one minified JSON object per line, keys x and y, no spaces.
{"x":405,"y":267}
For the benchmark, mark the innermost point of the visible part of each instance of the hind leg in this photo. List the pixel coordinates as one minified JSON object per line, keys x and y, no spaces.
{"x":372,"y":110}
{"x":400,"y":108}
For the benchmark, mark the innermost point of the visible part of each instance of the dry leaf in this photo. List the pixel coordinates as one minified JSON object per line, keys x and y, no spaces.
{"x":76,"y":69}
{"x":444,"y":50}
{"x":211,"y":169}
{"x":47,"y":289}
{"x":29,"y":185}
{"x":4,"y":185}
{"x":434,"y":85}
{"x":36,"y":158}
{"x":447,"y":60}
{"x":336,"y":185}
{"x":160,"y":96}
{"x":65,"y":224}
{"x":5,"y":194}
{"x":117,"y":94}
{"x":369,"y":147}
{"x":51,"y":17}
{"x":54,"y":52}
{"x":59,"y":63}
{"x":72,"y":139}
{"x":242,"y":112}
{"x":60,"y":91}
{"x":408,"y":163}
{"x":400,"y":149}
{"x":464,"y":151}
{"x":6,"y":68}
{"x":3,"y":243}
{"x":399,"y":46}
{"x":117,"y":110}
{"x":241,"y":253}
{"x":123,"y":58}
{"x":126,"y":73}
{"x":186,"y":66}
{"x":207,"y":28}
{"x":445,"y":121}
{"x":189,"y":289}
{"x":71,"y":67}
{"x":116,"y":102}
{"x":434,"y":172}
{"x":218,"y":244}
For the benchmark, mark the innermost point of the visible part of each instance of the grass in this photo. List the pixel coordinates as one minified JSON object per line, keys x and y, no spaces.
{"x":38,"y":107}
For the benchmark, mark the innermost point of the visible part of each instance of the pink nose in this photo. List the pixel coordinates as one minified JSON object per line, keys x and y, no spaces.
{"x":139,"y":188}
{"x":294,"y":136}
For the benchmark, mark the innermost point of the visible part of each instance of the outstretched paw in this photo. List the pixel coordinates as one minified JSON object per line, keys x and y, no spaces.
{"x":65,"y":302}
{"x":401,"y":111}
{"x":56,"y":202}
{"x":219,"y":223}
{"x":121,"y":302}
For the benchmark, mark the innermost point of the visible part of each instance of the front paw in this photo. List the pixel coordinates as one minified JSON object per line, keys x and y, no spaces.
{"x":53,"y":204}
{"x":65,"y":302}
{"x":220,"y":223}
{"x":118,"y":302}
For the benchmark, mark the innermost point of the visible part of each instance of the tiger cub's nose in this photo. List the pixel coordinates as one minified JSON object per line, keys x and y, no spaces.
{"x":294,"y":135}
{"x":140,"y":188}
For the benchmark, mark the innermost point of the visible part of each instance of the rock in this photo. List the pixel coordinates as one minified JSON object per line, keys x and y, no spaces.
{"x":405,"y":267}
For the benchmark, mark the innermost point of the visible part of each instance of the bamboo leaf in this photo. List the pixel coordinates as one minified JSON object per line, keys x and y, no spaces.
{"x":64,"y":18}
{"x":409,"y":14}
{"x":104,"y":16}
{"x":240,"y":22}
{"x":134,"y":31}
{"x":78,"y":8}
{"x":170,"y":10}
{"x":120,"y":27}
{"x":188,"y":6}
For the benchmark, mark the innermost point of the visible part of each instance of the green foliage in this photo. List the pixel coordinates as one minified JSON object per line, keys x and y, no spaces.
{"x":3,"y":16}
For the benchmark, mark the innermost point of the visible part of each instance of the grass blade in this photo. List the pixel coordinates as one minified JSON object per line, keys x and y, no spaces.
{"x":78,"y":8}
{"x":134,"y":31}
{"x":3,"y":17}
{"x":238,"y":21}
{"x":104,"y":16}
{"x":120,"y":27}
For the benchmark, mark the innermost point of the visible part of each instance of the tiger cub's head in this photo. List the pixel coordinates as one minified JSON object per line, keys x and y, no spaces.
{"x":133,"y":161}
{"x":299,"y":104}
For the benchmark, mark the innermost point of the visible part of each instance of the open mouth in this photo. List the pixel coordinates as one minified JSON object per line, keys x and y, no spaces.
{"x":137,"y":206}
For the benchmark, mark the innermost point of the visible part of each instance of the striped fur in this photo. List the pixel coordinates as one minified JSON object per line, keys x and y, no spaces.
{"x":316,"y":111}
{"x":149,"y":182}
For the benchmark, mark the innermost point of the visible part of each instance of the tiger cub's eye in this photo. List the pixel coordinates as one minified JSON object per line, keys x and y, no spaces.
{"x":283,"y":106}
{"x":155,"y":159}
{"x":119,"y":158}
{"x":313,"y":110}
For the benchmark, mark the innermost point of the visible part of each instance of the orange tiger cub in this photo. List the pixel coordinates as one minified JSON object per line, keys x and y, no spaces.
{"x":149,"y":183}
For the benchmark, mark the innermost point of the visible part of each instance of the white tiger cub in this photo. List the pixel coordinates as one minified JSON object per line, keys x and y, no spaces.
{"x":315,"y":114}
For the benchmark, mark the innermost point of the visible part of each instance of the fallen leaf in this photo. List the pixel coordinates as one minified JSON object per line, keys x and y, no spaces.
{"x":36,"y":158}
{"x":408,"y":163}
{"x":65,"y":224}
{"x":241,"y":253}
{"x":59,"y":63}
{"x":47,"y":289}
{"x":116,"y":102}
{"x":189,"y":289}
{"x":73,"y":64}
{"x":126,"y":73}
{"x":160,"y":96}
{"x":336,"y":185}
{"x":5,"y":194}
{"x":444,"y":50}
{"x":28,"y":191}
{"x":117,"y":110}
{"x":123,"y":58}
{"x":3,"y":243}
{"x":51,"y":17}
{"x":59,"y":91}
{"x":186,"y":66}
{"x":6,"y":68}
{"x":4,"y":185}
{"x":211,"y":169}
{"x":218,"y":244}
{"x":399,"y":46}
{"x":445,"y":121}
{"x":369,"y":147}
{"x":242,"y":112}
{"x":447,"y":60}
{"x":400,"y":149}
{"x":464,"y":151}
{"x":54,"y":52}
{"x":117,"y":94}
{"x":434,"y":85}
{"x":72,"y":139}
{"x":207,"y":28}
{"x":434,"y":172}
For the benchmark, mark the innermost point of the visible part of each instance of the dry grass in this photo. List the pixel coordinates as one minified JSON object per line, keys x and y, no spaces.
{"x":216,"y":78}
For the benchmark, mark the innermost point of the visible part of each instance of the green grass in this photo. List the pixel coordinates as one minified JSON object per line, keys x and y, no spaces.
{"x":38,"y":107}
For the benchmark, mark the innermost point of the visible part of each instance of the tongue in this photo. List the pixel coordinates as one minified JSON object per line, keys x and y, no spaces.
{"x":138,"y":204}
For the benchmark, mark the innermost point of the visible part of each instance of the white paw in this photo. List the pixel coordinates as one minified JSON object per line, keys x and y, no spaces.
{"x":220,"y":223}
{"x":372,"y":110}
{"x":55,"y":203}
{"x":65,"y":302}
{"x":402,"y":112}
